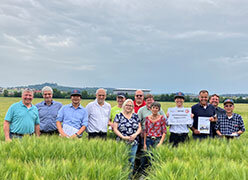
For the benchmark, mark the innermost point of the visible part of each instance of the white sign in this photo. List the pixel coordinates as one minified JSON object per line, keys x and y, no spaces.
{"x":179,"y":116}
{"x":69,"y":130}
{"x":204,"y":125}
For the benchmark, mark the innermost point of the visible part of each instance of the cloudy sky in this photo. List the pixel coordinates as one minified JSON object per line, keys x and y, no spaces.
{"x":162,"y":45}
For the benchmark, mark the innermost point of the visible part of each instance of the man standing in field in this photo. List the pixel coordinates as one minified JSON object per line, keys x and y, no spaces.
{"x":73,"y":116}
{"x":48,"y":110}
{"x":230,"y":124}
{"x":98,"y":114}
{"x":203,"y":110}
{"x":215,"y":100}
{"x":139,"y":100}
{"x":22,"y":118}
{"x":120,"y":98}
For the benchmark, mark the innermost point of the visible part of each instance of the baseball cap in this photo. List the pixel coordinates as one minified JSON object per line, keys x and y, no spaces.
{"x":75,"y":92}
{"x":120,"y":94}
{"x":179,"y":95}
{"x":228,"y":101}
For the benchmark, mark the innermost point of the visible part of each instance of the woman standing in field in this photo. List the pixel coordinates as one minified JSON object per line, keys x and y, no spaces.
{"x":155,"y":128}
{"x":127,"y":127}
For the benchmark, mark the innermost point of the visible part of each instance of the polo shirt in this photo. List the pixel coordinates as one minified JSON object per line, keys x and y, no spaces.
{"x":227,"y":126}
{"x":199,"y":111}
{"x":136,"y":107}
{"x":48,"y":115}
{"x":76,"y":118}
{"x":144,"y":112}
{"x":22,"y":119}
{"x":114,"y":110}
{"x":98,"y":117}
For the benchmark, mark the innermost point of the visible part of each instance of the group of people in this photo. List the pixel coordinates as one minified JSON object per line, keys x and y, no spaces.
{"x":141,"y":123}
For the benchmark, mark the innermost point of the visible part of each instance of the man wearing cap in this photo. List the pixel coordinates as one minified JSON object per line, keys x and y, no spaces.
{"x":203,"y":109}
{"x":22,"y":118}
{"x":120,"y":98}
{"x":48,"y":110}
{"x":73,"y":116}
{"x":98,"y":115}
{"x":138,"y":100}
{"x":214,"y":100}
{"x":230,"y":124}
{"x":179,"y":132}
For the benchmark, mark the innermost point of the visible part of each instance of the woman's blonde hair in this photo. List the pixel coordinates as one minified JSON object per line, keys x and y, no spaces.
{"x":124,"y":104}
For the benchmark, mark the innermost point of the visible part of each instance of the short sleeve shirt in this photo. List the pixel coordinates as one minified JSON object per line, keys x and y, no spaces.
{"x":22,"y":119}
{"x":155,"y":129}
{"x":115,"y":110}
{"x":127,"y":127}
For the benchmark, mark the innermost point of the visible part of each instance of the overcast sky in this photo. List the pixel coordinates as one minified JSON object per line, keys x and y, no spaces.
{"x":162,"y":45}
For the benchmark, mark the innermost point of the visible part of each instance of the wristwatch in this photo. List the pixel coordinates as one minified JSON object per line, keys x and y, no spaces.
{"x":77,"y":135}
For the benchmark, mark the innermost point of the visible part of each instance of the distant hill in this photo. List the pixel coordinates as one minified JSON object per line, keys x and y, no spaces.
{"x":90,"y":90}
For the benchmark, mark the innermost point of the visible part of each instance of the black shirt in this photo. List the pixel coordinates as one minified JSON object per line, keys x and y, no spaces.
{"x":199,"y":110}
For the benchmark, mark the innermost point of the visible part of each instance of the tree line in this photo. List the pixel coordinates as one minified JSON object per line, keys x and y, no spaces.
{"x":85,"y":95}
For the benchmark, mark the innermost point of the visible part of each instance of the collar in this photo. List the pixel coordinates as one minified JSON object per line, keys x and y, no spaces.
{"x":79,"y":107}
{"x":24,"y":104}
{"x":204,"y":106}
{"x":44,"y":103}
{"x":143,"y":104}
{"x":99,"y":104}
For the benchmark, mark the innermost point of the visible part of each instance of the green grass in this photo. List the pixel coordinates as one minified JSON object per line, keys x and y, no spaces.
{"x":61,"y":158}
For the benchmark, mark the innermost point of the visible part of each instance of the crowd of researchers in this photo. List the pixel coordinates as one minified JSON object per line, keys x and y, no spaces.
{"x":141,"y":122}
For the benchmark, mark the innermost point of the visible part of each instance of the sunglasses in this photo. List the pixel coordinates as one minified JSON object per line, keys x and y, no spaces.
{"x":139,"y":95}
{"x":230,"y":105}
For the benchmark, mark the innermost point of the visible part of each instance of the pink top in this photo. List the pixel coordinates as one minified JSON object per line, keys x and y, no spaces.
{"x":155,"y":129}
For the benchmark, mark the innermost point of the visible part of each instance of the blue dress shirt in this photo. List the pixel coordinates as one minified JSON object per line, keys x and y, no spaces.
{"x":76,"y":118}
{"x":48,"y":115}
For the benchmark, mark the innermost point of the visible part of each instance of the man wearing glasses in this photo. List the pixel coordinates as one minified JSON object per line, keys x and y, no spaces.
{"x":139,"y":100}
{"x":230,"y":124}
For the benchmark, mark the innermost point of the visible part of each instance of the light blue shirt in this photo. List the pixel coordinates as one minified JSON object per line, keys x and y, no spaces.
{"x":76,"y":118}
{"x":22,"y":120}
{"x":48,"y":115}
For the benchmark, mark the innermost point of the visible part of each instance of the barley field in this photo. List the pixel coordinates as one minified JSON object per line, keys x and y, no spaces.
{"x":61,"y":158}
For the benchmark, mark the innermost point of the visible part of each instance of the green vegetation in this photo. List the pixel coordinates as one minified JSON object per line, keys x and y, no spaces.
{"x":61,"y":158}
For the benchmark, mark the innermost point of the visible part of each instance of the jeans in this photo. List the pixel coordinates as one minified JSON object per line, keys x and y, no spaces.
{"x":152,"y":143}
{"x":132,"y":155}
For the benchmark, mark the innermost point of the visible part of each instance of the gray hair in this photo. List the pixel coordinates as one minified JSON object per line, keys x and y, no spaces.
{"x":101,"y":89}
{"x":125,"y":102}
{"x":46,"y":88}
{"x":156,"y":104}
{"x":27,"y":90}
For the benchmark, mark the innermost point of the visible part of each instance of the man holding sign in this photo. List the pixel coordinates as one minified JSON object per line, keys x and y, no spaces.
{"x":73,"y":116}
{"x":204,"y":117}
{"x":179,"y":120}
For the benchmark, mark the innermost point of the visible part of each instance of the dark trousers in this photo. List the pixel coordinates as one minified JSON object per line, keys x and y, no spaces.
{"x":16,"y":135}
{"x":56,"y":132}
{"x":176,"y":138}
{"x":102,"y":135}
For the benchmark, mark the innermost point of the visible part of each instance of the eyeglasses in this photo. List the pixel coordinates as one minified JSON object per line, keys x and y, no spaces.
{"x":230,"y":105}
{"x":129,"y":105}
{"x":139,"y":95}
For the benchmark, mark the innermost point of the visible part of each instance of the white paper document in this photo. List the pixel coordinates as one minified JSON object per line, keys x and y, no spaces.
{"x":69,"y":130}
{"x":204,"y":125}
{"x":179,"y":116}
